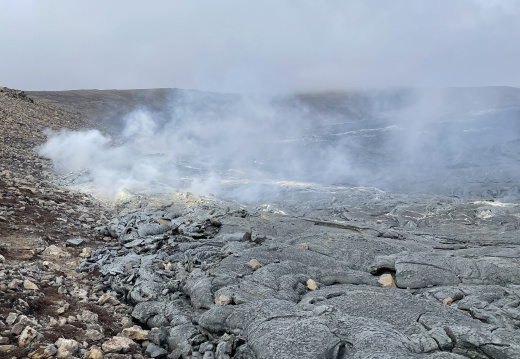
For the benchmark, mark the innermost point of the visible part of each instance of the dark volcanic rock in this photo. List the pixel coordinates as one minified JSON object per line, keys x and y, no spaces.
{"x":455,"y":297}
{"x":155,"y":351}
{"x":75,"y":241}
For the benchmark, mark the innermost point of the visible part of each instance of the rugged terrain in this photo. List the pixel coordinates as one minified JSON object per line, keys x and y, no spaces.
{"x":321,"y":271}
{"x":43,"y":298}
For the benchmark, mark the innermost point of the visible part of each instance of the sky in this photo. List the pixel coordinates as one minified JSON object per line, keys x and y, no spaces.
{"x":267,"y":46}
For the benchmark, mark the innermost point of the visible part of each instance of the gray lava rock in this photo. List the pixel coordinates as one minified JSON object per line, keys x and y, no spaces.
{"x":160,"y":314}
{"x":199,"y":288}
{"x":155,"y":351}
{"x":454,"y":292}
{"x":75,"y":242}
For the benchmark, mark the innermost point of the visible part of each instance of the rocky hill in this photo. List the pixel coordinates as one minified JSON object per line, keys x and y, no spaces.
{"x":44,"y":233}
{"x":323,"y":271}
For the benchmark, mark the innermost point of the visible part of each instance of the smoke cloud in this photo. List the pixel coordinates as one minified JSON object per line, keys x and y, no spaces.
{"x":199,"y":141}
{"x":428,"y":140}
{"x":451,"y":141}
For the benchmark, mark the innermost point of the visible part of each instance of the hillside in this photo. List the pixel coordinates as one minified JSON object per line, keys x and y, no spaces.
{"x":37,"y":218}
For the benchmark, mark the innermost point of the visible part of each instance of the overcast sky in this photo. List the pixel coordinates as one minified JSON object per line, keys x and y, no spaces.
{"x":270,"y":45}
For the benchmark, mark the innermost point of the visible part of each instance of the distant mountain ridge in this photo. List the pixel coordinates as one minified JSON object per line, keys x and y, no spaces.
{"x":95,"y":103}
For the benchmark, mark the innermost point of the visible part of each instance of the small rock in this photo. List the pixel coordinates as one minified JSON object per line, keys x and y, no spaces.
{"x":18,"y":328}
{"x":447,"y":301}
{"x":27,"y":336}
{"x":14,"y":284}
{"x":303,"y":246}
{"x":223,"y":349}
{"x":126,"y":322}
{"x":2,"y":259}
{"x":107,"y":298}
{"x":247,"y":236}
{"x":75,"y":242}
{"x":167,"y":266}
{"x":79,"y":293}
{"x":260,"y":239}
{"x":320,"y":309}
{"x":85,"y":252}
{"x":7,"y":348}
{"x":158,"y":335}
{"x":94,"y":353}
{"x":70,"y":345}
{"x":390,"y":234}
{"x":186,"y":350}
{"x":155,"y":351}
{"x":253,"y":264}
{"x":4,"y":340}
{"x":73,"y":262}
{"x":63,"y":353}
{"x":63,"y":309}
{"x":52,"y":322}
{"x":215,"y":222}
{"x":135,"y":333}
{"x":50,"y":350}
{"x":27,"y":284}
{"x":118,"y":345}
{"x":223,"y":300}
{"x":91,"y":335}
{"x":311,"y":284}
{"x":88,"y":317}
{"x":11,"y":318}
{"x":386,"y":281}
{"x":40,"y":353}
{"x":206,"y":347}
{"x":53,"y":252}
{"x":23,"y":319}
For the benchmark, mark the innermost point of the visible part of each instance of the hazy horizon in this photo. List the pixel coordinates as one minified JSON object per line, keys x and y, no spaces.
{"x":273,"y":47}
{"x":332,"y":92}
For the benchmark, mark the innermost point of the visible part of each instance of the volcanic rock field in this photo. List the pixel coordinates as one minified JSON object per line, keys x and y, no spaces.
{"x":409,"y":256}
